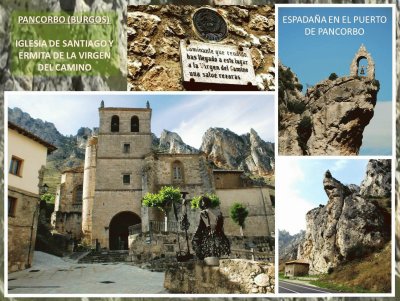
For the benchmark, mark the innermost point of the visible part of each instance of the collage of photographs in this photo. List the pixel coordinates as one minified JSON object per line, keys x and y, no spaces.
{"x":200,"y":150}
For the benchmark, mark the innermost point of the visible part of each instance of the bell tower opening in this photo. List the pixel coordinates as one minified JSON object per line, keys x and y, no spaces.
{"x":362,"y":66}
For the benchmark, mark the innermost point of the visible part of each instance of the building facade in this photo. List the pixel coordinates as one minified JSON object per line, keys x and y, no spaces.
{"x":296,"y":268}
{"x":27,"y":156}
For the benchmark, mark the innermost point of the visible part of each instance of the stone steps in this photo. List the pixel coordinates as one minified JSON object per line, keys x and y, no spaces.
{"x":105,"y":256}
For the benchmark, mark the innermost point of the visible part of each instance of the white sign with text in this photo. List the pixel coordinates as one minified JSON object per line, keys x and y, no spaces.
{"x":216,"y":64}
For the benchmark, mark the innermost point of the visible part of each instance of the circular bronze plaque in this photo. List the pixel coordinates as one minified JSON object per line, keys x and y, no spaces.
{"x":210,"y":25}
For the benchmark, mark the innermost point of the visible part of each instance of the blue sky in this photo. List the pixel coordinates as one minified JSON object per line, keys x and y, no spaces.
{"x":301,"y":190}
{"x":188,"y":115}
{"x":314,"y":58}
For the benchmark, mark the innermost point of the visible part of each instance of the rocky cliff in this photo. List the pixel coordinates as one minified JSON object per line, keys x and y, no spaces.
{"x":172,"y":143}
{"x":350,"y":225}
{"x":378,"y":181}
{"x":289,"y":244}
{"x":329,"y":119}
{"x":248,"y":152}
{"x":70,"y":149}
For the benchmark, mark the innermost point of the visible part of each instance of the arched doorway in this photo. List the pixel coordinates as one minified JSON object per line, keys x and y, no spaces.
{"x":119,"y":231}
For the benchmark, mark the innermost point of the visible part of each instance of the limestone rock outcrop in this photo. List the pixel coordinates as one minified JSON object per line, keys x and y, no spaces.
{"x":82,"y":137}
{"x":231,"y":151}
{"x":172,"y":143}
{"x":45,"y":130}
{"x":289,"y":244}
{"x":349,"y":226}
{"x":70,"y":149}
{"x":378,"y":180}
{"x":329,"y":119}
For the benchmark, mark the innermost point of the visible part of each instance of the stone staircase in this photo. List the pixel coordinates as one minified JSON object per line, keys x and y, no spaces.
{"x":105,"y":256}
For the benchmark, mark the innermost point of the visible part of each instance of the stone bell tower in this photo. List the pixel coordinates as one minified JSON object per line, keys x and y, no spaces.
{"x":115,"y":170}
{"x":362,"y":53}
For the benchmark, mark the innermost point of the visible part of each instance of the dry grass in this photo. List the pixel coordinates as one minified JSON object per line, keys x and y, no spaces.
{"x":369,"y":274}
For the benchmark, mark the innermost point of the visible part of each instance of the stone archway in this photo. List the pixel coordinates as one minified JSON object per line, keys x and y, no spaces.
{"x":362,"y":53}
{"x":118,"y":230}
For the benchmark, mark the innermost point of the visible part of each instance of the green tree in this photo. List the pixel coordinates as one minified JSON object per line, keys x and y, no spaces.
{"x":163,"y":200}
{"x":238,"y":214}
{"x":215,"y":201}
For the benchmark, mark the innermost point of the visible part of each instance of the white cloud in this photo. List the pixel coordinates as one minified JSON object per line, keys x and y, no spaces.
{"x":67,"y":114}
{"x":339,"y":165}
{"x":291,"y":208}
{"x":291,"y":213}
{"x":378,"y":134}
{"x":233,"y":112}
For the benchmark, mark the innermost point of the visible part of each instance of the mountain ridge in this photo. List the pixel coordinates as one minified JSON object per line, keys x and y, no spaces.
{"x":247,"y":152}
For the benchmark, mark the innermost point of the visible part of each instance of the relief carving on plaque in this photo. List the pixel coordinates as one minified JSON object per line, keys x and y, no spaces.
{"x":209,"y":25}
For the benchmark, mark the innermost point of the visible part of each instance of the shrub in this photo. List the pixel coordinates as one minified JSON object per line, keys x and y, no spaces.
{"x":333,"y":76}
{"x":298,"y":87}
{"x":376,"y":83}
{"x":304,"y":131}
{"x":296,"y":106}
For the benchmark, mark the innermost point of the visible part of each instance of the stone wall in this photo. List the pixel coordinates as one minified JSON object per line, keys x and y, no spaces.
{"x":261,"y":218}
{"x":67,"y":215}
{"x":228,"y":179}
{"x":68,"y":223}
{"x":146,"y":247}
{"x":154,"y":33}
{"x":233,"y":276}
{"x":196,"y":174}
{"x":22,"y":229}
{"x":107,"y":205}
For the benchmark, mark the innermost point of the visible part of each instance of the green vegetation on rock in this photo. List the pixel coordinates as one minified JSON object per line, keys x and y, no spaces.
{"x":304,"y":131}
{"x":333,"y":76}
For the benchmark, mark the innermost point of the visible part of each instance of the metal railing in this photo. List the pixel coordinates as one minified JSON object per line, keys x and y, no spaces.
{"x":158,"y":227}
{"x":77,"y":206}
{"x":253,"y":255}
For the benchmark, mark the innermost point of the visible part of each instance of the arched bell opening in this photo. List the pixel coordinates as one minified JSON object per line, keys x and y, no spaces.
{"x":362,"y":66}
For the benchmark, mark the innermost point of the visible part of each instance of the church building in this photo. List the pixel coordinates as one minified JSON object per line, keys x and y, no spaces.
{"x":121,"y":167}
